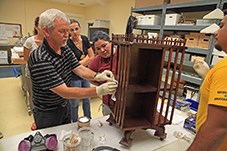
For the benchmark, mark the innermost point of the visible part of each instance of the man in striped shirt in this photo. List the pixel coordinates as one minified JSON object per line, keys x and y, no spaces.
{"x":50,"y":68}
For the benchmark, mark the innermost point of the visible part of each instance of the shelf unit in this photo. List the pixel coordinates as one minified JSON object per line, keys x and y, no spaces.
{"x":185,"y":7}
{"x":140,"y":64}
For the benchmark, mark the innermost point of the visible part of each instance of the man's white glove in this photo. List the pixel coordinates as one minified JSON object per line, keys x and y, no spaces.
{"x":201,"y":67}
{"x":104,"y":76}
{"x":106,"y":88}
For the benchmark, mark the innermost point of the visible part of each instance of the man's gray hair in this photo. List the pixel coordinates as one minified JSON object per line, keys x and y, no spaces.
{"x":48,"y":17}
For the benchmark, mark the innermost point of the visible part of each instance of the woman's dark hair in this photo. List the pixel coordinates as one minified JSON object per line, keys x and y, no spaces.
{"x":74,"y":21}
{"x":100,"y":35}
{"x":225,"y":12}
{"x":35,"y":32}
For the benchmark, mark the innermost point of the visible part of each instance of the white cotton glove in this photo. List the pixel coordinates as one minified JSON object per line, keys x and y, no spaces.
{"x":106,"y":88}
{"x":104,"y":76}
{"x":201,"y":67}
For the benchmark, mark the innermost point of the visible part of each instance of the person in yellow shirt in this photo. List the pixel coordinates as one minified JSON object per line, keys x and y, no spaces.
{"x":211,"y":122}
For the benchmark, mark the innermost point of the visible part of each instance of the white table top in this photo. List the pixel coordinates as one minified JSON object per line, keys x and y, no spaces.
{"x":143,"y":140}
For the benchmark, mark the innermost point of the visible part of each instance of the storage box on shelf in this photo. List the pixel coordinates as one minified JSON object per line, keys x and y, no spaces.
{"x":148,"y":20}
{"x":192,"y":40}
{"x":152,"y":20}
{"x":172,"y":19}
{"x":140,"y":20}
{"x":5,"y":54}
{"x":197,"y":40}
{"x":204,"y":41}
{"x":3,"y":57}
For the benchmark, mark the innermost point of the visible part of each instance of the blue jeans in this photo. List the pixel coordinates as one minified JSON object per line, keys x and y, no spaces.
{"x":75,"y":102}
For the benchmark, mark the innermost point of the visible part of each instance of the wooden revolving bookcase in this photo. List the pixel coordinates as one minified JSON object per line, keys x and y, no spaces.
{"x":146,"y":68}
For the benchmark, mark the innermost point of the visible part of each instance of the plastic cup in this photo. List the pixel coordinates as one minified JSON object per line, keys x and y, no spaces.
{"x":87,"y":137}
{"x":69,"y":144}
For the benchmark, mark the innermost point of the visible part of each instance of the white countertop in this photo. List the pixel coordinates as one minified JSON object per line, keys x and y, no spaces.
{"x":143,"y":140}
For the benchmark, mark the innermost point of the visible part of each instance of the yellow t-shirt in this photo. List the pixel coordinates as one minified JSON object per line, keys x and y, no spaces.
{"x":213,"y":91}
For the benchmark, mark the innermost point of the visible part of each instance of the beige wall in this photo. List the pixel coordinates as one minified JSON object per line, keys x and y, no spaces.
{"x":25,"y":11}
{"x":117,"y":11}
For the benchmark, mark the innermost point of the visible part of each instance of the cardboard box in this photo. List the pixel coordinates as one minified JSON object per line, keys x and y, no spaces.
{"x":204,"y":41}
{"x":152,"y":20}
{"x":4,"y":61}
{"x":3,"y":54}
{"x":144,"y":3}
{"x":172,"y":19}
{"x":195,"y":34}
{"x":192,"y":40}
{"x":141,"y":20}
{"x":148,"y":20}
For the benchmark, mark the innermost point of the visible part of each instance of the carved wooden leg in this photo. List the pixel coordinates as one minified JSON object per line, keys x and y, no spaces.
{"x":127,"y":140}
{"x":160,"y":132}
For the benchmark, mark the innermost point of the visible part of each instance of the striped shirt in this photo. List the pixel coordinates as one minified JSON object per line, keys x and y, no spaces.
{"x":49,"y":70}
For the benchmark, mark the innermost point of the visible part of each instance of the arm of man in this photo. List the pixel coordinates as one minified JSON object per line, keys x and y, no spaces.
{"x":90,"y":75}
{"x":84,"y":73}
{"x":74,"y":92}
{"x":212,"y":133}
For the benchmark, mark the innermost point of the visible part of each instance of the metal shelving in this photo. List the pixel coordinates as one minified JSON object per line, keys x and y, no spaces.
{"x":198,"y":6}
{"x":205,"y":5}
{"x":197,"y":50}
{"x":172,"y":28}
{"x":147,"y":27}
{"x":189,"y":77}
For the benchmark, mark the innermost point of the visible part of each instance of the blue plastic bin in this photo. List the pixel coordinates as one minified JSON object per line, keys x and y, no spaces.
{"x":194,"y":104}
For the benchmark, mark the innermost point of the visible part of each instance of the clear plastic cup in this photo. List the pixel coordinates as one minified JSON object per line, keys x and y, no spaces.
{"x":87,"y":137}
{"x":71,"y":142}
